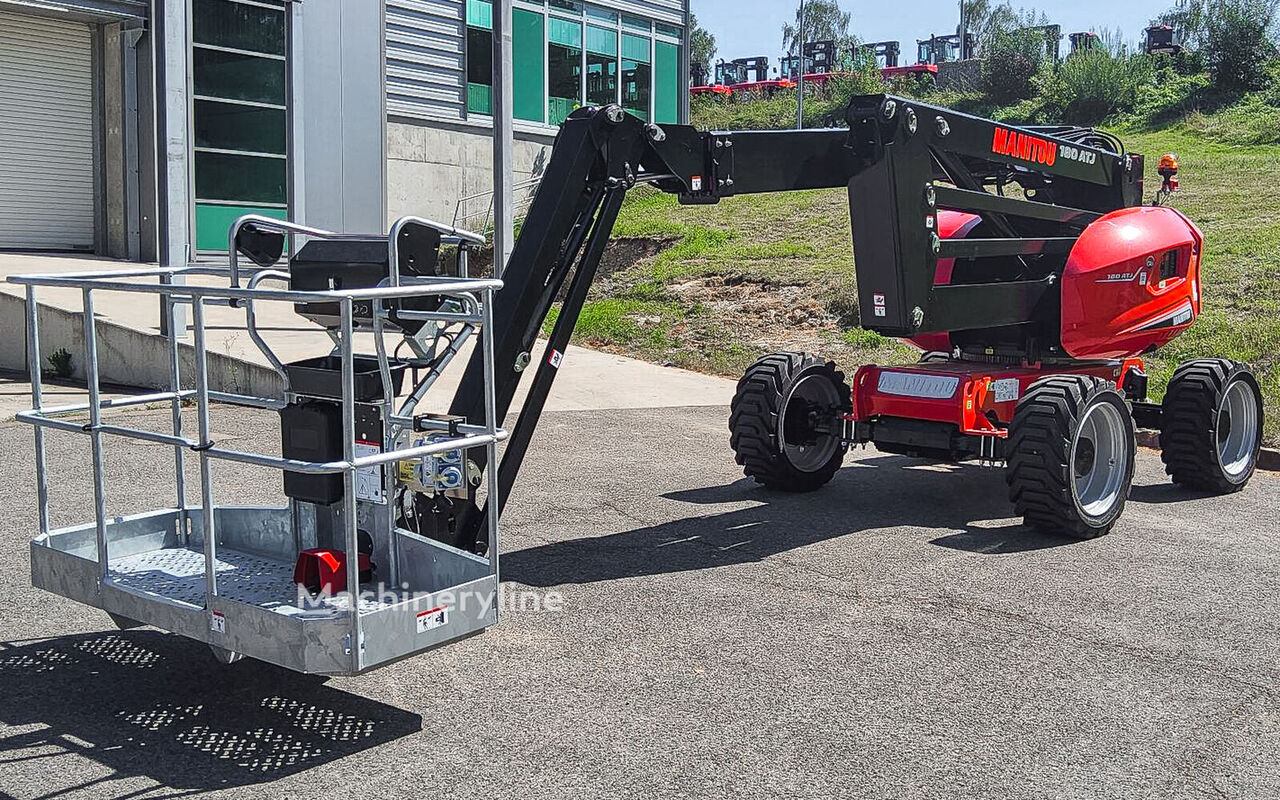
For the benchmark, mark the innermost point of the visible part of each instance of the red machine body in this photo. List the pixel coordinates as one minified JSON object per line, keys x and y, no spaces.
{"x":979,"y":399}
{"x":909,"y":69}
{"x":718,"y":90}
{"x":764,"y":87}
{"x":1130,"y":284}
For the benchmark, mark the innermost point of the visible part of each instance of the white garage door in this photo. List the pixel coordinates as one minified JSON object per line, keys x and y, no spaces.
{"x":46,"y":133}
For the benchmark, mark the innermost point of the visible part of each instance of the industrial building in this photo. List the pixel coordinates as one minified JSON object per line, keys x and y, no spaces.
{"x":140,"y":129}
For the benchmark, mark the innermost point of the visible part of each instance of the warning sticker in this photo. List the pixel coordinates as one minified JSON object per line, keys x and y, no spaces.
{"x":879,"y":311}
{"x":555,"y":358}
{"x":218,"y":622}
{"x":695,"y":183}
{"x":879,"y":299}
{"x":435,"y":618}
{"x":369,"y":479}
{"x":1006,"y":390}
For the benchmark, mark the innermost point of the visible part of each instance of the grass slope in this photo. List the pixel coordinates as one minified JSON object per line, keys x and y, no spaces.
{"x":713,"y":287}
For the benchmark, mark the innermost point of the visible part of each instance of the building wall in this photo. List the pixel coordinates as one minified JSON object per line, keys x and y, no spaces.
{"x":438,"y":153}
{"x":431,"y":168}
{"x":426,"y":40}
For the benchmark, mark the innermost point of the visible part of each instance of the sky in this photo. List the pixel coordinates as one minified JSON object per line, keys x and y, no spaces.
{"x":754,"y":27}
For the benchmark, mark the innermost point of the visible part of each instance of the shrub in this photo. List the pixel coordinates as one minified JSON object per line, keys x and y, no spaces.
{"x":1093,"y":85}
{"x":1170,"y":95}
{"x":1012,"y":59}
{"x":60,"y":363}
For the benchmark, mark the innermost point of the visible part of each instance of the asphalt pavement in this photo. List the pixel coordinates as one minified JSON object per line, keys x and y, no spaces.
{"x":894,"y":635}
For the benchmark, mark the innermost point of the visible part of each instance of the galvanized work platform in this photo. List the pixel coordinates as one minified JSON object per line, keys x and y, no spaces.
{"x":234,"y":589}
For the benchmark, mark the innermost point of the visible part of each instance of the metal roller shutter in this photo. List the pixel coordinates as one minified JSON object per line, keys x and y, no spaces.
{"x":46,"y":133}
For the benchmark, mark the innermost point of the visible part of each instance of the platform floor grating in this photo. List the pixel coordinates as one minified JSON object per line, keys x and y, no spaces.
{"x":178,"y":574}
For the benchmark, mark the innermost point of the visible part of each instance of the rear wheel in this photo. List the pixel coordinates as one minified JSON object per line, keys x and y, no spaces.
{"x":1071,"y":453}
{"x":785,"y":426}
{"x":1211,"y":425}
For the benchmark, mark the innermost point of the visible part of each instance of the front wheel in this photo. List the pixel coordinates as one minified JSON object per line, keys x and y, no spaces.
{"x":785,"y":426}
{"x":1211,"y":425}
{"x":1071,"y":455}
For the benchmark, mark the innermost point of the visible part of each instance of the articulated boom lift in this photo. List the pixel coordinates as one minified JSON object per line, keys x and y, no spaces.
{"x":1021,"y":259}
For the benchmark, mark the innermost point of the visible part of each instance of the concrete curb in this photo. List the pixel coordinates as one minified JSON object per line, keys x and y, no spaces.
{"x":126,"y":356}
{"x":1268,"y":459}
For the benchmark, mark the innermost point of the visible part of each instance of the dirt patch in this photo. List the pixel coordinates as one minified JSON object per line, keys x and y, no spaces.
{"x":624,"y":253}
{"x":733,"y":320}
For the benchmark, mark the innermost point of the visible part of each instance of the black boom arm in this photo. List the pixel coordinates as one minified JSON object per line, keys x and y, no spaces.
{"x":901,"y":160}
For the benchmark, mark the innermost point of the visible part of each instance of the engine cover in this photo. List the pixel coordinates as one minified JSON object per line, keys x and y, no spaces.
{"x":1131,"y":283}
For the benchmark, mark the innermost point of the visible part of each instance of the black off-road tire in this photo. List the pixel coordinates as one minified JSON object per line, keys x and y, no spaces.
{"x":1041,"y":457}
{"x":1193,"y":426}
{"x":934,"y":357}
{"x":757,"y":417}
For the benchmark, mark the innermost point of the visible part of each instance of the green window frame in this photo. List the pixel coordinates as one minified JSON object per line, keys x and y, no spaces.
{"x":566,"y":53}
{"x":637,"y":74}
{"x":666,"y":82}
{"x":602,"y":65}
{"x":240,"y":115}
{"x":479,"y":57}
{"x":564,"y":68}
{"x":529,"y":61}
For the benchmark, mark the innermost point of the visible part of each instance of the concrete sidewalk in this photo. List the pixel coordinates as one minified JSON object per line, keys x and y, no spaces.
{"x":132,"y":351}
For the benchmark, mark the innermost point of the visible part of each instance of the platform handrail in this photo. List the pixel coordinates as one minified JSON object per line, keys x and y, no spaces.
{"x":419,"y":286}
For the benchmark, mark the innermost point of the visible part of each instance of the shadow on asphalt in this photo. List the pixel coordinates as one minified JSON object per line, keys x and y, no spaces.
{"x":155,"y":705}
{"x":970,"y":503}
{"x":1158,"y":493}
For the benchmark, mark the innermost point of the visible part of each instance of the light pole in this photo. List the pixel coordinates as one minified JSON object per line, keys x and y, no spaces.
{"x":503,"y":138}
{"x":800,"y":77}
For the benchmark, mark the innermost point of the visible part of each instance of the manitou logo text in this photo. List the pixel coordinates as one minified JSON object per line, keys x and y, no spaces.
{"x":1024,"y":147}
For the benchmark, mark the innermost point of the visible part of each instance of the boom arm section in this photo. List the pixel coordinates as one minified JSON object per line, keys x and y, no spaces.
{"x":901,"y":161}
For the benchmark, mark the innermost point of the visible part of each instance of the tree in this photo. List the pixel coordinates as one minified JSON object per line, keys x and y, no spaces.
{"x":702,"y":43}
{"x":1235,"y":38}
{"x":823,"y":20}
{"x":1014,"y":48}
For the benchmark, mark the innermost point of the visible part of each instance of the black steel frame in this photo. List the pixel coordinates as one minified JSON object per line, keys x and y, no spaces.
{"x":901,"y":161}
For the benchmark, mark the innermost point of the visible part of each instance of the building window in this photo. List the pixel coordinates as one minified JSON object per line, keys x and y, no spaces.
{"x":479,"y":56}
{"x":564,"y":68}
{"x":567,"y":53}
{"x":602,"y":66}
{"x":529,"y":65}
{"x":240,"y":115}
{"x":666,"y":82}
{"x":637,"y":74}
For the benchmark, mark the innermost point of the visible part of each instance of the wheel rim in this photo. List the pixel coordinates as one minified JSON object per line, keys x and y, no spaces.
{"x":809,"y":432}
{"x":1237,"y":429}
{"x":1099,"y":460}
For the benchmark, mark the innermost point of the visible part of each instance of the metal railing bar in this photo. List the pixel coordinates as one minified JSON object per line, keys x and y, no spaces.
{"x":452,"y":287}
{"x":33,"y":368}
{"x":333,"y":467}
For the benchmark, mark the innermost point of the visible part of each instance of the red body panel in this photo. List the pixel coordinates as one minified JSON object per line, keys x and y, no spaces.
{"x":918,"y":391}
{"x":1131,"y":283}
{"x":764,"y":87}
{"x":1122,"y":293}
{"x":719,"y":90}
{"x":910,"y":69}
